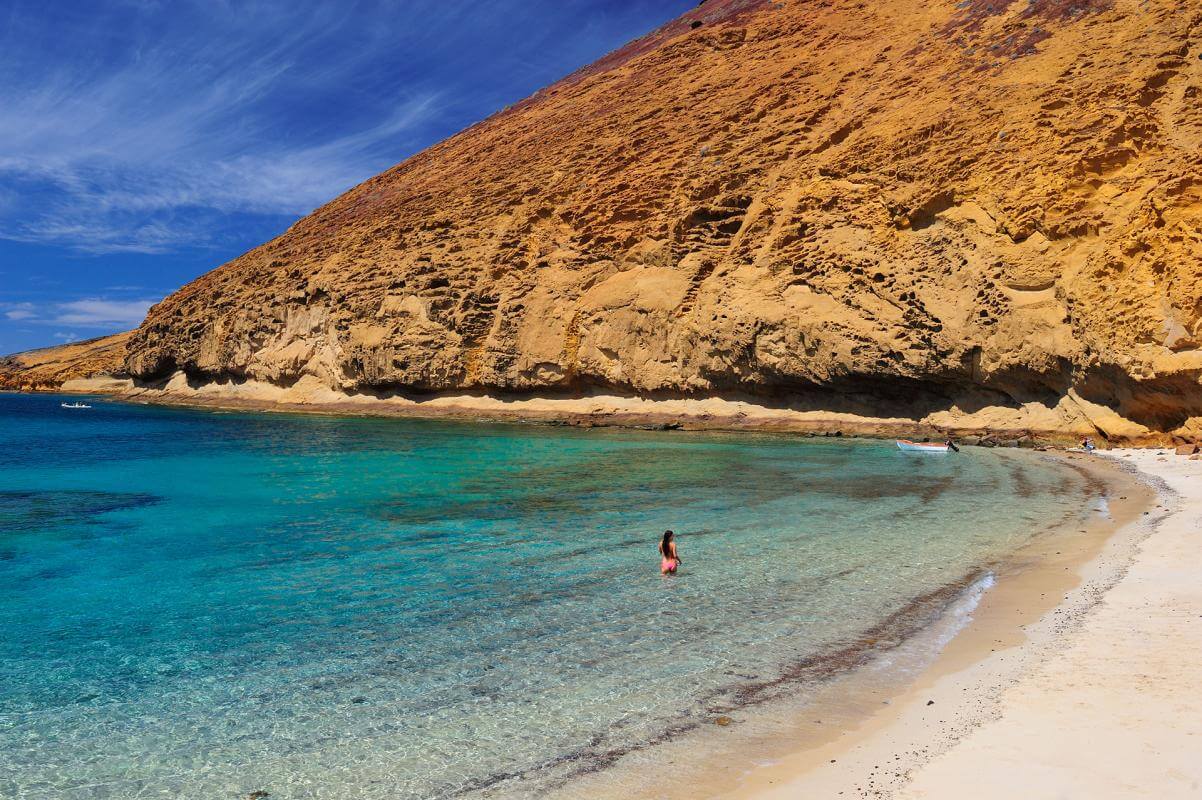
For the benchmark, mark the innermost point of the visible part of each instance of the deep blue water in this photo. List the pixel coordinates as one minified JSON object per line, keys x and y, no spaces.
{"x":199,"y":604}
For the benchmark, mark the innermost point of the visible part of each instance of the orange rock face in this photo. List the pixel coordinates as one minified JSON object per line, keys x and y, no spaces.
{"x":37,"y":370}
{"x":984,"y":199}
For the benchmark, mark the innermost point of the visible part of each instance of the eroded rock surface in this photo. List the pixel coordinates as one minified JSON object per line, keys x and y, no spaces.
{"x":50,"y":368}
{"x":983,"y":198}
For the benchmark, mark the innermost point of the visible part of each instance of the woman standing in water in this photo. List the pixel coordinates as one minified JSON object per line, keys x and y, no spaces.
{"x":669,"y":560}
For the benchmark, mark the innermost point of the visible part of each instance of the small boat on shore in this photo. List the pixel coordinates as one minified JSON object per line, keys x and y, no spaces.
{"x":922,"y":447}
{"x":75,"y":405}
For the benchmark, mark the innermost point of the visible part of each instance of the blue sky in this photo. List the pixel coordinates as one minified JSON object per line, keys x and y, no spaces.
{"x":144,"y":142}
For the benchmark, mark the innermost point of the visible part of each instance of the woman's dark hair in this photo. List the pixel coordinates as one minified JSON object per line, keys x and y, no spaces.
{"x":663,"y":546}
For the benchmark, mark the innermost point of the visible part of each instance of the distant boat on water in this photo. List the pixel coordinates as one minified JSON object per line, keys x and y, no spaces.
{"x":75,"y":405}
{"x":921,"y":447}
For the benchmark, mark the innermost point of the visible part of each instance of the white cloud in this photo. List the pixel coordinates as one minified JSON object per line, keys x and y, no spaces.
{"x":101,"y":313}
{"x":90,"y":312}
{"x":19,"y":311}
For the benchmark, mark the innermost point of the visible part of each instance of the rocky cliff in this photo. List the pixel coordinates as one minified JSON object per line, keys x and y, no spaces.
{"x":52,"y":367}
{"x":942,"y":204}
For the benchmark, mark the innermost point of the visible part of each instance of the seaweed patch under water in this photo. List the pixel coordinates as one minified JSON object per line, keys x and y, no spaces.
{"x":32,"y":511}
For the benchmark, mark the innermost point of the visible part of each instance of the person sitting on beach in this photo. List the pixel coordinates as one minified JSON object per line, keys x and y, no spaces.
{"x":1087,"y":445}
{"x":669,"y":560}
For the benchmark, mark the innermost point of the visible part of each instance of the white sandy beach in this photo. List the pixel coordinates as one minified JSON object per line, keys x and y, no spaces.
{"x":1099,"y":699}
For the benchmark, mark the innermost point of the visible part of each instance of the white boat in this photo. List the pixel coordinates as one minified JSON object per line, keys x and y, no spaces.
{"x":74,"y":405}
{"x":921,"y":447}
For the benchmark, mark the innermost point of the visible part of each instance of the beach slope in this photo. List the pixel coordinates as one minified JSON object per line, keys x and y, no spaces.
{"x":1099,"y":700}
{"x":1117,"y":711}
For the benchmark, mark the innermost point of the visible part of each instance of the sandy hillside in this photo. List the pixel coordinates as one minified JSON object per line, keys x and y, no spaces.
{"x":929,"y":207}
{"x":49,"y":368}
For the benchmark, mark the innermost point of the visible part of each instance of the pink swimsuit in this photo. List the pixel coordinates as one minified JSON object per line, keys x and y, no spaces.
{"x":668,"y":565}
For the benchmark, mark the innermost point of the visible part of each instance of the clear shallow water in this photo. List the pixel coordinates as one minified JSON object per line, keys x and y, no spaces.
{"x":203,"y":605}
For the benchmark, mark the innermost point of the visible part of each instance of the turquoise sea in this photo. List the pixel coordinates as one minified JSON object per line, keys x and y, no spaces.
{"x":204,"y":605}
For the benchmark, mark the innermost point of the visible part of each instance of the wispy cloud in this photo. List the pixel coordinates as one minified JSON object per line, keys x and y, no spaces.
{"x":100,"y":313}
{"x":20,"y":311}
{"x":92,"y":312}
{"x":144,"y":126}
{"x":138,"y":139}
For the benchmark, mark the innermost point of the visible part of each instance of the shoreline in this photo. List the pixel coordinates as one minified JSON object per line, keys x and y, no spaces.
{"x":1041,"y":599}
{"x":1029,"y":424}
{"x":1045,"y":693}
{"x":860,"y":731}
